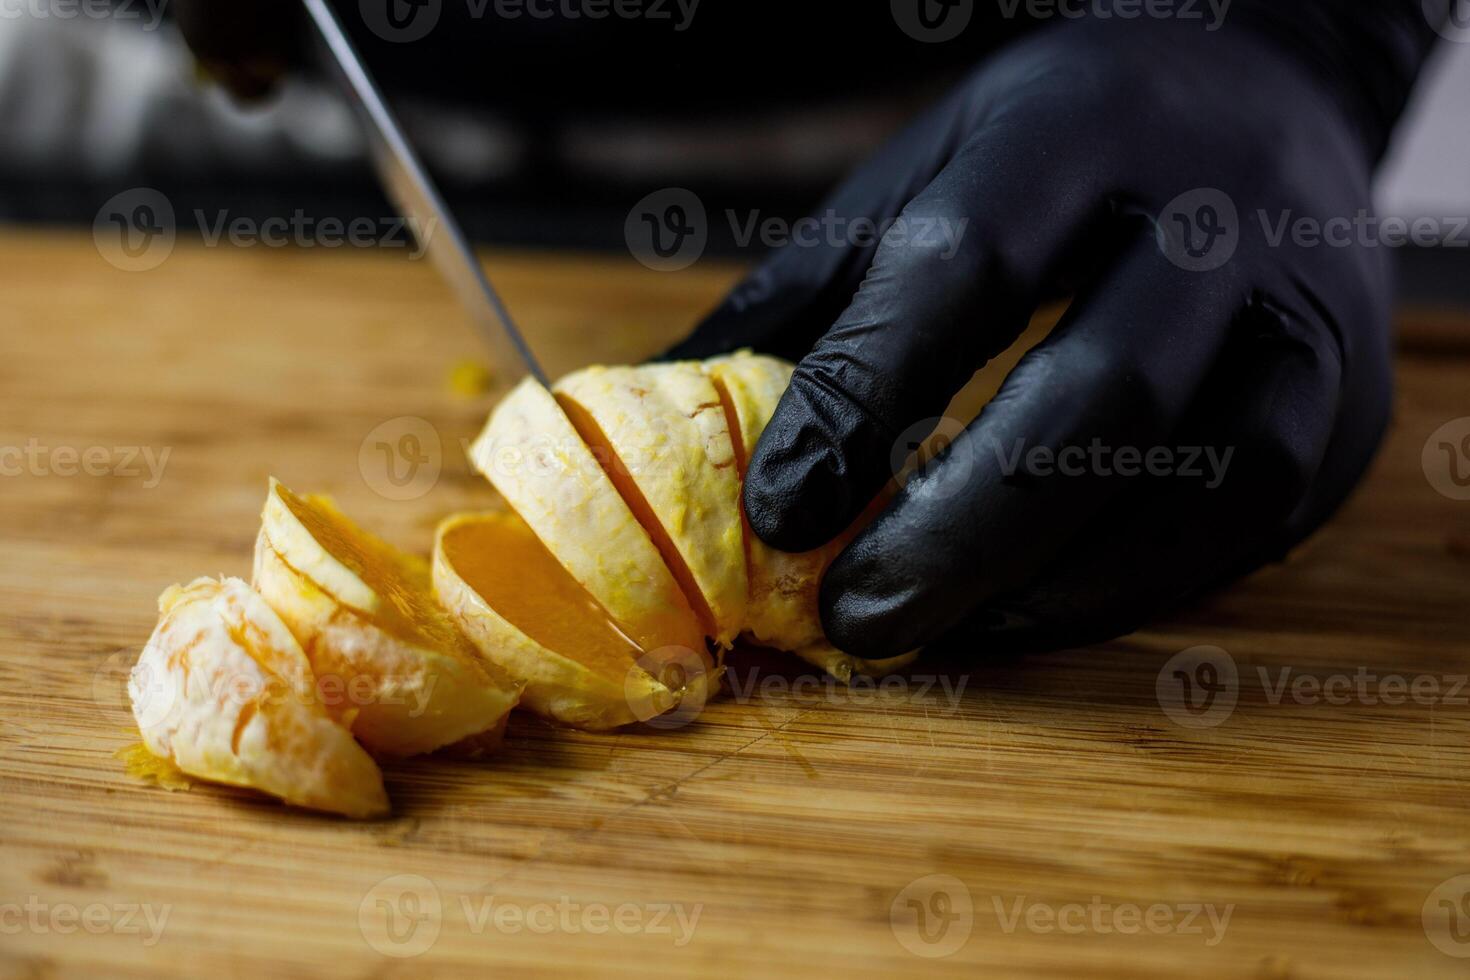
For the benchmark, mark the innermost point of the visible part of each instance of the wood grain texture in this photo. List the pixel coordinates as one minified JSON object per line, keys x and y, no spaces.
{"x":788,"y":821}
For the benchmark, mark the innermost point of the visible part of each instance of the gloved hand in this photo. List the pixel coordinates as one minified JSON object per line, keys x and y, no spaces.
{"x":1190,"y":327}
{"x":246,"y":47}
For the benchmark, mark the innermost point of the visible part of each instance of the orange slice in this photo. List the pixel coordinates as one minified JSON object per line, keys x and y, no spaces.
{"x":407,"y":680}
{"x":782,"y":611}
{"x":531,"y":453}
{"x":524,"y":611}
{"x":224,"y":692}
{"x":663,"y":436}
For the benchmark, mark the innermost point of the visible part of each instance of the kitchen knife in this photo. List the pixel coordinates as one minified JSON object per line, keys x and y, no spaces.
{"x":412,"y":191}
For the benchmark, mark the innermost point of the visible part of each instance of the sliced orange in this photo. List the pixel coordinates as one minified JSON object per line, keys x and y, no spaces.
{"x":365,"y":613}
{"x":782,"y":611}
{"x":224,"y":692}
{"x":531,"y":453}
{"x":663,"y":436}
{"x":524,"y":611}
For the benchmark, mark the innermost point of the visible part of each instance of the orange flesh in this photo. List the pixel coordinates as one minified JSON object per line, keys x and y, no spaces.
{"x":143,"y":764}
{"x":410,"y":612}
{"x":602,"y":448}
{"x":500,"y":557}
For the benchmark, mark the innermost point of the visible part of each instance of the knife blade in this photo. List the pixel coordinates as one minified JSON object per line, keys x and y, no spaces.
{"x":411,"y":189}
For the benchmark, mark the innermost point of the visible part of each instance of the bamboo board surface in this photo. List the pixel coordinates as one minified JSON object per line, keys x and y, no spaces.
{"x":794,"y":829}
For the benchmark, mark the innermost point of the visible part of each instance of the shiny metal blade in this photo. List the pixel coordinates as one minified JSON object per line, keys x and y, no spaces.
{"x":412,"y":191}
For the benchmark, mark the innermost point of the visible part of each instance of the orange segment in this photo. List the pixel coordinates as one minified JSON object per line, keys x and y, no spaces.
{"x":224,"y":693}
{"x":409,"y":612}
{"x":502,"y":559}
{"x":525,"y":612}
{"x":660,"y":431}
{"x":542,"y":467}
{"x":617,"y":471}
{"x":402,"y":674}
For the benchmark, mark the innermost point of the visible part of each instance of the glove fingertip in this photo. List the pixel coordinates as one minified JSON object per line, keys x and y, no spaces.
{"x":861,"y":616}
{"x":772,"y":513}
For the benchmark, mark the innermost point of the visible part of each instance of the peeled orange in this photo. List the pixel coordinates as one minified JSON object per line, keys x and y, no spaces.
{"x":366,"y":615}
{"x":224,"y":692}
{"x":524,"y":611}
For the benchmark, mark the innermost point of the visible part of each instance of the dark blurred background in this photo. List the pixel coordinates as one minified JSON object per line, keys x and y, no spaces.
{"x":545,"y":134}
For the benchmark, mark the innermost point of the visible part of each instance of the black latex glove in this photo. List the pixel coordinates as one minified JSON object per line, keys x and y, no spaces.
{"x":246,"y":47}
{"x":1061,"y":155}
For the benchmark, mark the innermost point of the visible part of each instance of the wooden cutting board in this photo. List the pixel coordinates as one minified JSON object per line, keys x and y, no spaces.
{"x":794,"y":830}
